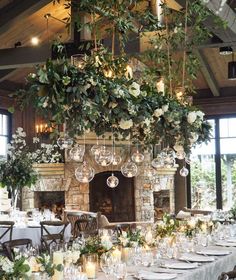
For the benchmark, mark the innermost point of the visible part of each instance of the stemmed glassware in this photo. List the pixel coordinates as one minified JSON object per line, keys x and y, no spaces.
{"x":106,"y":264}
{"x":120,"y":270}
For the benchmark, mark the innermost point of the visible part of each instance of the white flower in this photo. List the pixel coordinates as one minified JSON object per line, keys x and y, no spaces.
{"x":125,"y":124}
{"x":106,"y":242}
{"x":45,"y":104}
{"x":193,"y":138}
{"x":158,"y":112}
{"x":191,"y":118}
{"x":165,"y":107}
{"x":134,"y":89}
{"x":200,"y":114}
{"x":75,"y":256}
{"x":36,"y":140}
{"x":147,"y":122}
{"x":124,"y":234}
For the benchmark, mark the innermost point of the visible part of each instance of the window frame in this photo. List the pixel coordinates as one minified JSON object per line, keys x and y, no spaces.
{"x":9,"y":123}
{"x":218,"y":175}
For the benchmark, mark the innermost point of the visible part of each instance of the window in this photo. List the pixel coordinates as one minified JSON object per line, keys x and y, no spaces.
{"x":212,"y":182}
{"x":4,"y":132}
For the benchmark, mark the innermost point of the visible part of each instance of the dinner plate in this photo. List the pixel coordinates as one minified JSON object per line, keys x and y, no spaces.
{"x":180,"y":265}
{"x":231,"y":240}
{"x":196,"y":258}
{"x":213,"y":252}
{"x":226,"y":244}
{"x":156,"y":276}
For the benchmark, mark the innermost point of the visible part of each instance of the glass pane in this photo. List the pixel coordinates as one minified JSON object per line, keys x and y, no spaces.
{"x":228,"y":172}
{"x":212,"y":122}
{"x":3,"y":146}
{"x":4,"y":125}
{"x":1,"y":122}
{"x":203,"y":184}
{"x":228,"y":127}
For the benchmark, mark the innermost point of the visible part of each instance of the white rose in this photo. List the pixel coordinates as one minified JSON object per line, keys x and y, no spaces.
{"x":158,"y":112}
{"x":194,"y":137}
{"x":134,"y":89}
{"x":125,"y":124}
{"x":165,"y":107}
{"x":192,"y":116}
{"x":200,"y":114}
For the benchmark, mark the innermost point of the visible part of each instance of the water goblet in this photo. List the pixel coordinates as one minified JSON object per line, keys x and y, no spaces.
{"x":120,"y":271}
{"x":106,"y":264}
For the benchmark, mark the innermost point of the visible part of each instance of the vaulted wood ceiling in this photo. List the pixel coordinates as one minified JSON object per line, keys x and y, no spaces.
{"x":20,"y":20}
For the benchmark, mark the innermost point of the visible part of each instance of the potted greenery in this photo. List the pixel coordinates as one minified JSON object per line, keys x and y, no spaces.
{"x":17,"y":170}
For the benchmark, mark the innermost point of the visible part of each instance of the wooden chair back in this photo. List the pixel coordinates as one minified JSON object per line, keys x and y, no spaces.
{"x":6,"y":229}
{"x":10,"y":245}
{"x":48,"y":237}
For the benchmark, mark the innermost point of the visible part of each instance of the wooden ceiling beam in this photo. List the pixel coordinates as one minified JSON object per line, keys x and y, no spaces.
{"x":207,"y":73}
{"x":24,"y":56}
{"x":18,"y":9}
{"x":5,"y":74}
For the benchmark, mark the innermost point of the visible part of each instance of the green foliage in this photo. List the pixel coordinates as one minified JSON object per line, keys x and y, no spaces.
{"x":167,"y":227}
{"x":47,"y":265}
{"x":131,"y":238}
{"x":16,"y":171}
{"x":19,"y":269}
{"x":87,"y":99}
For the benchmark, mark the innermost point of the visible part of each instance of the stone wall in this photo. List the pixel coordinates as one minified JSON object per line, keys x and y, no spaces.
{"x":77,"y":194}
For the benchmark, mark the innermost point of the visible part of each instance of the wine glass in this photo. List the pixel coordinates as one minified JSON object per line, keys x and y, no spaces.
{"x":120,"y":270}
{"x":106,"y":264}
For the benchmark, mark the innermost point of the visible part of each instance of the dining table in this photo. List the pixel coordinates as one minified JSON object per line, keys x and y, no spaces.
{"x":33,"y":232}
{"x":181,"y":270}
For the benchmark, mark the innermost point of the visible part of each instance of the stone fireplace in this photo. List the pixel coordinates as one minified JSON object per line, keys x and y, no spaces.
{"x":80,"y":196}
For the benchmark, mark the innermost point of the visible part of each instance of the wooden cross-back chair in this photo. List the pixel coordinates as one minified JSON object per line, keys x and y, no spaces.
{"x":10,"y":245}
{"x":82,"y":224}
{"x":48,"y":237}
{"x":6,"y":228}
{"x":228,"y":275}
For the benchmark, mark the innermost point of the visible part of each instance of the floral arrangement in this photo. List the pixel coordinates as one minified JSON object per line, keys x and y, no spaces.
{"x":96,"y":245}
{"x":46,"y":265}
{"x":16,"y":171}
{"x":131,"y":238}
{"x":46,"y":153}
{"x":19,"y":269}
{"x":167,"y":227}
{"x":60,"y":90}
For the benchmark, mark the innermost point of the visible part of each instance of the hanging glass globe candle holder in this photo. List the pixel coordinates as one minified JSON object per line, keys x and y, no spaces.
{"x":137,"y":157}
{"x":104,"y":158}
{"x":65,"y":142}
{"x":95,"y":150}
{"x":184,"y":171}
{"x":116,"y":159}
{"x":84,"y":173}
{"x":129,"y":169}
{"x":149,"y":171}
{"x":112,"y":181}
{"x":77,"y":153}
{"x":158,"y":162}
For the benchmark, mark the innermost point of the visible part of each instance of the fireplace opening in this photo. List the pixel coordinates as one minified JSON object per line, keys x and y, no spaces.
{"x":116,"y":204}
{"x":161,"y":203}
{"x":53,"y":200}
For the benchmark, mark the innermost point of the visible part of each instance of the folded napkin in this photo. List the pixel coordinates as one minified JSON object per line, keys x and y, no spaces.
{"x":183,"y":215}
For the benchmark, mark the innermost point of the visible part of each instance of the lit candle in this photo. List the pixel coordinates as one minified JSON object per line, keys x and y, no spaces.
{"x":37,"y":129}
{"x":148,"y":237}
{"x":116,"y":254}
{"x":58,"y":259}
{"x":129,"y":175}
{"x":125,"y":254}
{"x":161,"y":86}
{"x":41,"y":128}
{"x":90,"y":270}
{"x":129,"y":72}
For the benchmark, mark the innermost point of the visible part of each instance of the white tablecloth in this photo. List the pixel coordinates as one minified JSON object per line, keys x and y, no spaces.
{"x":207,"y":271}
{"x":34,"y":233}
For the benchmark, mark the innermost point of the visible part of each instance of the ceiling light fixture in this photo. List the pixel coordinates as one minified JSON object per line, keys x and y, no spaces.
{"x":34,"y":41}
{"x":225,"y":50}
{"x":232,"y":69}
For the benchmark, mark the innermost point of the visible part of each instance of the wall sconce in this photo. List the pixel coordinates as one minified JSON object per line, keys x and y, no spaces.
{"x":43,"y":129}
